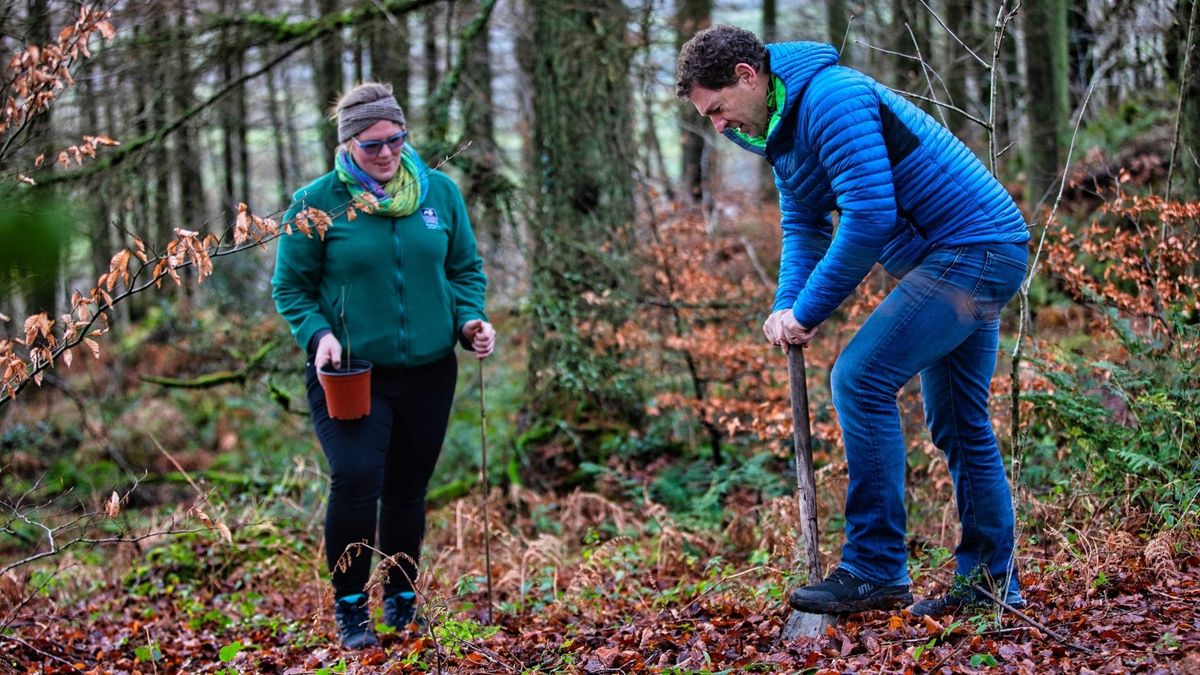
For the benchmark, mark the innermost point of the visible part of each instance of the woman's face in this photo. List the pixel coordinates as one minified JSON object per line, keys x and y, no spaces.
{"x":379,"y":160}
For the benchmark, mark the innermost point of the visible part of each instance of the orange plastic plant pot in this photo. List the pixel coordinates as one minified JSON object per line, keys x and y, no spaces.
{"x":347,"y":390}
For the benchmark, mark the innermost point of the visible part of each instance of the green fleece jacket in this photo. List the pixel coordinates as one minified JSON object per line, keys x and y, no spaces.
{"x":394,"y":291}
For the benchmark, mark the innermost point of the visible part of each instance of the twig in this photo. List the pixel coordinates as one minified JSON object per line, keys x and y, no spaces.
{"x":1034,"y":622}
{"x":952,"y":652}
{"x":925,"y":72}
{"x":951,"y":34}
{"x":489,"y":655}
{"x":730,"y":577}
{"x":846,"y":35}
{"x":199,"y":492}
{"x":756,"y":264}
{"x":94,"y":542}
{"x":997,"y":41}
{"x":947,"y":106}
{"x":48,"y":655}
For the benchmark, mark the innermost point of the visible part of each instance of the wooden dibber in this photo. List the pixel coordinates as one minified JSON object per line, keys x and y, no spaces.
{"x":804,"y":624}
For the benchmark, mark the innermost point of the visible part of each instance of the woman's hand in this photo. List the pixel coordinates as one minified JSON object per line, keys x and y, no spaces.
{"x":782,"y":329}
{"x":329,"y":350}
{"x":482,"y":337}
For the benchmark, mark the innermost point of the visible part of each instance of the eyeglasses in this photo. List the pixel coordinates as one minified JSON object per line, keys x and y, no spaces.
{"x":394,"y":143}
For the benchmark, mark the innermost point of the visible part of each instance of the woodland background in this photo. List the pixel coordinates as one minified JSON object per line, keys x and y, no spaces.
{"x":160,"y":489}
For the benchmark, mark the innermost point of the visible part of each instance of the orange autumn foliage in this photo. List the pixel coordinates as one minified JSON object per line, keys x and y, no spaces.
{"x":704,"y":298}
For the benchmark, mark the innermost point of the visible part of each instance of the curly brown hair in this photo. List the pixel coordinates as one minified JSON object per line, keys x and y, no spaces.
{"x":709,"y":57}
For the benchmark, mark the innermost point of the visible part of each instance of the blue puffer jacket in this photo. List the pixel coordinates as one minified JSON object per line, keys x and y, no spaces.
{"x":902,"y":183}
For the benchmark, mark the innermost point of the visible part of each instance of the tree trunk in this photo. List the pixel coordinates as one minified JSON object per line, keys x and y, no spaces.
{"x":1045,"y":34}
{"x":909,"y":21}
{"x":389,"y":39}
{"x":99,"y":253}
{"x":691,"y":17}
{"x":227,"y":113}
{"x":282,"y":173}
{"x":327,"y":75}
{"x":41,"y":280}
{"x":160,"y":210}
{"x":192,"y":211}
{"x":582,"y":281}
{"x":1186,"y":160}
{"x":483,"y":183}
{"x":957,"y":64}
{"x":766,"y":175}
{"x":241,"y":127}
{"x":430,"y":51}
{"x":837,"y":15}
{"x":298,"y":170}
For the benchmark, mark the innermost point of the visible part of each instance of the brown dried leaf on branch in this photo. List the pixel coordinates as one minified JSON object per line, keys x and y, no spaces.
{"x":112,"y":508}
{"x":40,"y":73}
{"x":210,"y":523}
{"x":310,"y":219}
{"x":248,"y":226}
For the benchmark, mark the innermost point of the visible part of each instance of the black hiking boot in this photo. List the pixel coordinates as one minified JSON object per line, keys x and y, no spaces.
{"x":354,"y":622}
{"x":958,"y":601}
{"x":843,"y":593}
{"x":400,"y":610}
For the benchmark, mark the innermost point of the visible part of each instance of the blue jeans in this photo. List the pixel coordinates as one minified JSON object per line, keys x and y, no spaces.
{"x":943,"y":322}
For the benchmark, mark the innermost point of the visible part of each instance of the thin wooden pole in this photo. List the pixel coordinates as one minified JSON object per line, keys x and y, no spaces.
{"x":483,"y":472}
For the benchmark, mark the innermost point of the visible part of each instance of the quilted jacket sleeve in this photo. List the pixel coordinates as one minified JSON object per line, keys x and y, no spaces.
{"x":295,"y":286}
{"x":806,"y":236}
{"x":845,"y":129}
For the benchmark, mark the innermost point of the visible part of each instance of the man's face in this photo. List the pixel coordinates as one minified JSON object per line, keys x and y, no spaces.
{"x":742,"y":105}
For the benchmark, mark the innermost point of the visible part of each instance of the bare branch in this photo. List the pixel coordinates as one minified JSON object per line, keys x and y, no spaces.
{"x":69,"y":664}
{"x":999,"y":31}
{"x":132,"y":288}
{"x":948,"y":106}
{"x":1033,"y":622}
{"x":925,"y":71}
{"x":57,"y":549}
{"x":951,"y":34}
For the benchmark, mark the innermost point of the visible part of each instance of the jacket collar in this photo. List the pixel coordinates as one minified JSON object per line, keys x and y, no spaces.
{"x":795,"y":63}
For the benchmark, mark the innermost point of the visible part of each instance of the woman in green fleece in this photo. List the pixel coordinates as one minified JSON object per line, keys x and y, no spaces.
{"x":396,"y":285}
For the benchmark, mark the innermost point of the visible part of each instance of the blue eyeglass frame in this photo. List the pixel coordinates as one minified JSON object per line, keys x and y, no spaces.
{"x":394,"y":143}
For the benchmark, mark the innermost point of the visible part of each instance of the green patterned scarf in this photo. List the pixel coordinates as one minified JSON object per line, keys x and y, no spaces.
{"x":400,"y":196}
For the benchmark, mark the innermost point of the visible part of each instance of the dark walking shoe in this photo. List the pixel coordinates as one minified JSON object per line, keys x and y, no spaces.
{"x":400,"y":610}
{"x":843,"y":593}
{"x":354,"y":622}
{"x":959,"y":601}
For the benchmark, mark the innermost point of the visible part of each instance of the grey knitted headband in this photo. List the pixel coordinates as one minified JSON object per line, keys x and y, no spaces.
{"x":358,"y":117}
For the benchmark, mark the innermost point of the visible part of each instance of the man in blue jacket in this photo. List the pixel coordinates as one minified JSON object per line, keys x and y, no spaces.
{"x":913,"y":198}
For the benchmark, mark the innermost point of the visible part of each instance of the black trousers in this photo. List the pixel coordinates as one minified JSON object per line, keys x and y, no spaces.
{"x":380,"y":467}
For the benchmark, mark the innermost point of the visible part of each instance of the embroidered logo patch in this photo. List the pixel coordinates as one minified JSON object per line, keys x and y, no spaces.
{"x":430,"y":217}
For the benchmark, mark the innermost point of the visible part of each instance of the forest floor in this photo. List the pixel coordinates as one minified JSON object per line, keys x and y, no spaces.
{"x":654,"y":599}
{"x":212,"y":563}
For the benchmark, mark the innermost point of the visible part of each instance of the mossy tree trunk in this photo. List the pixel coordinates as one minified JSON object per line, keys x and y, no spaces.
{"x":582,"y":279}
{"x":327,"y":75}
{"x":1045,"y":32}
{"x":1185,"y":44}
{"x":692,"y":16}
